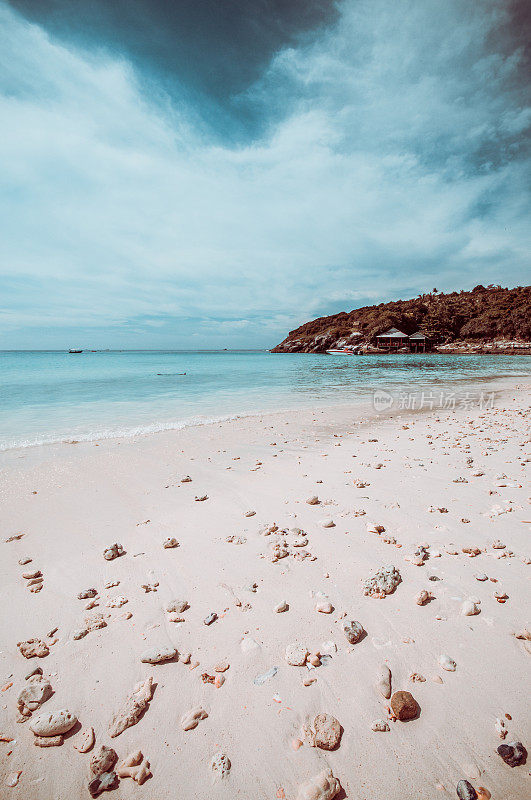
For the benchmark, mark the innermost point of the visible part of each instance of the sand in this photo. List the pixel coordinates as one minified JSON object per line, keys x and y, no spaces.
{"x":72,"y":502}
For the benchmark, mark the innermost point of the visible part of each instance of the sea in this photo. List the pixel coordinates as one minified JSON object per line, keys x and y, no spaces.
{"x":51,"y":396}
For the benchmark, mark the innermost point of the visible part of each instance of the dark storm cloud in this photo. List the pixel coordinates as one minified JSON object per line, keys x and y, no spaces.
{"x":215,"y":48}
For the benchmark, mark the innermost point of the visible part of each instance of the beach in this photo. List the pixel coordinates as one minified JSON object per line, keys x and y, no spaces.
{"x":427,"y":492}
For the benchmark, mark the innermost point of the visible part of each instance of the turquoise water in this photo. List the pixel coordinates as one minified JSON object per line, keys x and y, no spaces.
{"x":52,"y":396}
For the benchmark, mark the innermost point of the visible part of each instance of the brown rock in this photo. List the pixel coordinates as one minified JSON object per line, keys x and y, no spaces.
{"x":404,"y":705}
{"x":103,"y":760}
{"x":327,"y":731}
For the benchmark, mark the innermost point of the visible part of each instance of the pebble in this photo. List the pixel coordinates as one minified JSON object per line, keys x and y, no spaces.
{"x":157,"y":655}
{"x":210,"y":619}
{"x":170,"y":542}
{"x":469,"y":608}
{"x":33,"y":648}
{"x":103,"y":783}
{"x":103,"y":760}
{"x":191,"y":719}
{"x":383,"y":681}
{"x":326,"y":732}
{"x":265,"y":676}
{"x":37,"y":691}
{"x":324,"y":606}
{"x":380,"y":725}
{"x":85,"y":741}
{"x":134,"y":766}
{"x":422,"y":597}
{"x":404,"y":705}
{"x":177,"y":606}
{"x":383,"y":582}
{"x":466,"y":791}
{"x":221,"y":666}
{"x":220,"y":766}
{"x":133,"y":708}
{"x":313,"y":501}
{"x":113,"y":551}
{"x":513,"y":753}
{"x":323,"y":786}
{"x":327,"y":523}
{"x":249,"y":514}
{"x":480,"y":576}
{"x":353,"y":631}
{"x":86,"y":594}
{"x":296,"y":655}
{"x":447,"y":663}
{"x":281,"y":607}
{"x":48,"y":741}
{"x":53,"y":723}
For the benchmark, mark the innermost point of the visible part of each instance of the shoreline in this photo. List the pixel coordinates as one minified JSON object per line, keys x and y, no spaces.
{"x":430,"y":478}
{"x":362,"y":406}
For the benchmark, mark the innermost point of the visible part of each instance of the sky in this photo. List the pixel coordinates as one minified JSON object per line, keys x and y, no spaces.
{"x":214,"y":174}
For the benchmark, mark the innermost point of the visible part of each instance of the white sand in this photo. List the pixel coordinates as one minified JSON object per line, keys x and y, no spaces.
{"x":72,"y":501}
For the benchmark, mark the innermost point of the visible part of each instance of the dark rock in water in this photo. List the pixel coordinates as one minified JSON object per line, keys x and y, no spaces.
{"x":513,"y":753}
{"x":404,"y":705}
{"x":466,"y":791}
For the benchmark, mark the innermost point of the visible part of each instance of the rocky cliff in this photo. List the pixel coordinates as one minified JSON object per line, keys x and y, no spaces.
{"x":460,"y":320}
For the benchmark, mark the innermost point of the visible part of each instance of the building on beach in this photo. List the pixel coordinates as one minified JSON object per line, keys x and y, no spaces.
{"x":393,"y":340}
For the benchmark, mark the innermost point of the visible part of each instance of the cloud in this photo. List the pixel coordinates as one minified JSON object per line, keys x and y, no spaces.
{"x":391,"y":161}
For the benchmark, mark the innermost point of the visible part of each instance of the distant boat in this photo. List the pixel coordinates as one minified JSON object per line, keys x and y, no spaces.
{"x":344,"y":351}
{"x":72,"y":350}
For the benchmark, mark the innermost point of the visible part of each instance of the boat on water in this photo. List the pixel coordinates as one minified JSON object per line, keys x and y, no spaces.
{"x":343,"y":351}
{"x":73,"y":350}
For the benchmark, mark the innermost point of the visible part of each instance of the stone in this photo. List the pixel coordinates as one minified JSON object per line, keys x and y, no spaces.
{"x":324,"y":606}
{"x":422,"y":597}
{"x":469,"y":608}
{"x":157,"y":655}
{"x":447,"y":663}
{"x":113,"y":551}
{"x":265,"y":676}
{"x":85,"y":742}
{"x":86,"y":594}
{"x":117,"y":601}
{"x":191,"y":719}
{"x":480,"y":576}
{"x":33,"y":648}
{"x":380,"y":725}
{"x":186,"y":479}
{"x":353,"y":631}
{"x":210,"y":618}
{"x":220,"y":766}
{"x":321,"y":787}
{"x":52,"y":723}
{"x":313,"y":501}
{"x":281,"y":607}
{"x":383,"y":681}
{"x":48,"y":741}
{"x":177,"y":606}
{"x":404,"y":705}
{"x":37,"y":691}
{"x":296,"y":655}
{"x":103,"y":760}
{"x":465,"y":791}
{"x":170,"y":542}
{"x":328,"y":523}
{"x":383,"y":582}
{"x":103,"y":783}
{"x":133,"y":708}
{"x":134,"y":766}
{"x":513,"y":753}
{"x":222,"y":666}
{"x":326,"y":732}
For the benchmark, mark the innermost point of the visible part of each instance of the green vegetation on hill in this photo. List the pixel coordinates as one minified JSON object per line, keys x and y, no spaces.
{"x":484,"y":314}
